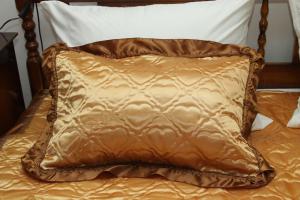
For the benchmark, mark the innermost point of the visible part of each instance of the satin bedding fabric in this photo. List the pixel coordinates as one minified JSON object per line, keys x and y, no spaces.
{"x":112,"y":109}
{"x":278,"y":144}
{"x":150,"y":115}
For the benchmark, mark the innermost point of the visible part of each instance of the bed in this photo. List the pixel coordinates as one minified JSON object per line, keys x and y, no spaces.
{"x":277,"y":143}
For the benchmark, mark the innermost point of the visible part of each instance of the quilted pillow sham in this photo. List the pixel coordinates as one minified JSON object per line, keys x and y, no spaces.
{"x":177,"y":109}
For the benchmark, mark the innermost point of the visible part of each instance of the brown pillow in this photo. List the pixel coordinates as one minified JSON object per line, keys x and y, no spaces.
{"x":143,"y":107}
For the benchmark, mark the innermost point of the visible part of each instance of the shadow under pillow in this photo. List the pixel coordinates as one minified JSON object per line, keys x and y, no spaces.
{"x":145,"y":107}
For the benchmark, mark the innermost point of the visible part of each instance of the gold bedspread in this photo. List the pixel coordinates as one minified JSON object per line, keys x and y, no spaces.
{"x":278,"y":144}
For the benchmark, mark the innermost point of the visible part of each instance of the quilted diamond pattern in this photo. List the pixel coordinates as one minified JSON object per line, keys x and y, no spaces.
{"x":150,"y":109}
{"x":279,"y":145}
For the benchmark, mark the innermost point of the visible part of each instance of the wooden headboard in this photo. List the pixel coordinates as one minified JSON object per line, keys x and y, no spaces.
{"x":273,"y":76}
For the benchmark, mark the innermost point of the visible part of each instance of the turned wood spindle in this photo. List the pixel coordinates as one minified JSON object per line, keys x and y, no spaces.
{"x":263,"y":25}
{"x":33,"y":57}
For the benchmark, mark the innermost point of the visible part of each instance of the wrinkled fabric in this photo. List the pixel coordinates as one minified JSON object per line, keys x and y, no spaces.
{"x":150,"y":109}
{"x":279,"y":145}
{"x":123,"y":48}
{"x":222,"y":21}
{"x":149,"y":115}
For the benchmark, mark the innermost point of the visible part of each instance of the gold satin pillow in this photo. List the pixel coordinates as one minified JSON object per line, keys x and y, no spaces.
{"x":124,"y":108}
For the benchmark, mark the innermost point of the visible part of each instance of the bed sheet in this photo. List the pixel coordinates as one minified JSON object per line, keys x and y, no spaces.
{"x":277,"y":143}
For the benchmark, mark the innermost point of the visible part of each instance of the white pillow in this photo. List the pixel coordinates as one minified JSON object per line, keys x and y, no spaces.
{"x":261,"y":122}
{"x":295,"y":9}
{"x":295,"y":120}
{"x":224,"y":21}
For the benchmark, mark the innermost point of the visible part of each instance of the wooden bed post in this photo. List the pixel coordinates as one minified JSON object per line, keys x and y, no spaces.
{"x":263,"y":25}
{"x":33,"y":56}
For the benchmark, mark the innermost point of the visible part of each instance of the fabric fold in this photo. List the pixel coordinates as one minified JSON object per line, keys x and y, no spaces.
{"x":106,"y":100}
